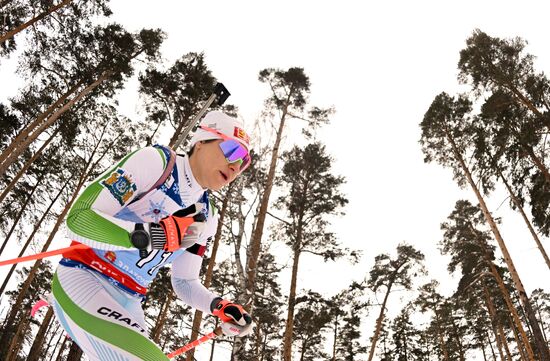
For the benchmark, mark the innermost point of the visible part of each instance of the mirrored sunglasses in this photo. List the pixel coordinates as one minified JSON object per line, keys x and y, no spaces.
{"x":232,"y":149}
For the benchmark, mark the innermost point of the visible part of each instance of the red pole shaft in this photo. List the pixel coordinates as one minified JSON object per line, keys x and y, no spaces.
{"x":43,"y":254}
{"x":195,"y":343}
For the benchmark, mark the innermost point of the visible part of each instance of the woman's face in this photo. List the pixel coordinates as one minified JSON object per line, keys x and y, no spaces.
{"x":209,"y":166}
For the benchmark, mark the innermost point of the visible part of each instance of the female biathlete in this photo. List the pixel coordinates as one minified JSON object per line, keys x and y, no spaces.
{"x":149,"y":210}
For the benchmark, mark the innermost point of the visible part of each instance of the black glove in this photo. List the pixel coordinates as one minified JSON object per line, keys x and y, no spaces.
{"x":181,"y":229}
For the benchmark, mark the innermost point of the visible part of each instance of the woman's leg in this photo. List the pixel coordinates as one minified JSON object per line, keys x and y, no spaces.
{"x":105,"y":328}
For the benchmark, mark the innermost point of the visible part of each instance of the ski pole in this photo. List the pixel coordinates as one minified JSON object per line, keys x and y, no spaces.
{"x":43,"y":254}
{"x":209,"y":336}
{"x":221,"y":93}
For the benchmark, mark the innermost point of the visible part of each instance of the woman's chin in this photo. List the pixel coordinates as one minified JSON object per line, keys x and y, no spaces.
{"x":217,"y":186}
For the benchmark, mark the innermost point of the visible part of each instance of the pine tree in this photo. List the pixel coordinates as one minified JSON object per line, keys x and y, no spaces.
{"x":429,"y":300}
{"x":347,"y":309}
{"x":174,"y":96}
{"x":21,"y":307}
{"x":313,"y":196}
{"x":289,"y":92}
{"x":269,"y":304}
{"x":387,"y":273}
{"x":407,"y":339}
{"x":491,"y":64}
{"x":18,"y":16}
{"x":504,"y":134}
{"x":311,"y":321}
{"x":9,"y":33}
{"x":71,"y":67}
{"x":211,"y":261}
{"x":468,"y":244}
{"x":90,"y":153}
{"x":446,"y":138}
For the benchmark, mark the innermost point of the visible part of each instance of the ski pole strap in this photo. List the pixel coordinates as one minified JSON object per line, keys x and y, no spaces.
{"x":217,"y":332}
{"x":38,"y":305}
{"x":43,"y":254}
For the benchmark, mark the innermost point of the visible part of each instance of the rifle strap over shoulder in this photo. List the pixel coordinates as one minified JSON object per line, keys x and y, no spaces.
{"x":169,"y":167}
{"x":171,"y":156}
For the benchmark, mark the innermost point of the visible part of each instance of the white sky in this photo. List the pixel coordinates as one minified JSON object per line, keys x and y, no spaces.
{"x":380,"y":64}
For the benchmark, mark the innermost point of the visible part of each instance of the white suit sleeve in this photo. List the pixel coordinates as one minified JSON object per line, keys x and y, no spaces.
{"x":186,"y":274}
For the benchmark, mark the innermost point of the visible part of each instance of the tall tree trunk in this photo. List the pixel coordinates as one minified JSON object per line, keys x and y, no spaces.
{"x":494,"y":321}
{"x":209,"y":271}
{"x":181,"y":125}
{"x":24,"y":133}
{"x":41,"y":16}
{"x":483,"y":351}
{"x":62,"y":348}
{"x":36,"y":348}
{"x":258,"y":338}
{"x":287,"y":340}
{"x":335,"y":338}
{"x":75,"y":352}
{"x":504,"y":342}
{"x":23,"y":170}
{"x":523,"y":317}
{"x":240,"y":342}
{"x":161,"y":319}
{"x":458,"y":340}
{"x":304,"y":349}
{"x":52,"y":336}
{"x":255,"y":243}
{"x":510,"y":305}
{"x":517,"y":203}
{"x":4,"y":3}
{"x":379,"y":322}
{"x":20,"y":214}
{"x":31,"y":236}
{"x":58,"y":342}
{"x":441,"y":340}
{"x":541,"y":319}
{"x":10,"y":158}
{"x":492,"y":348}
{"x":34,"y":269}
{"x":213,"y":342}
{"x":519,"y":343}
{"x":13,"y":348}
{"x":542,"y":348}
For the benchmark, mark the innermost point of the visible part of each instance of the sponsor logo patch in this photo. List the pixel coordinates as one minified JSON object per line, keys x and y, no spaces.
{"x":105,"y":311}
{"x":120,"y":185}
{"x":241,"y":134}
{"x":110,"y":256}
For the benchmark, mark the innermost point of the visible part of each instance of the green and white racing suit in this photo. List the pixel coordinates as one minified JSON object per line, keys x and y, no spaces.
{"x":98,"y":291}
